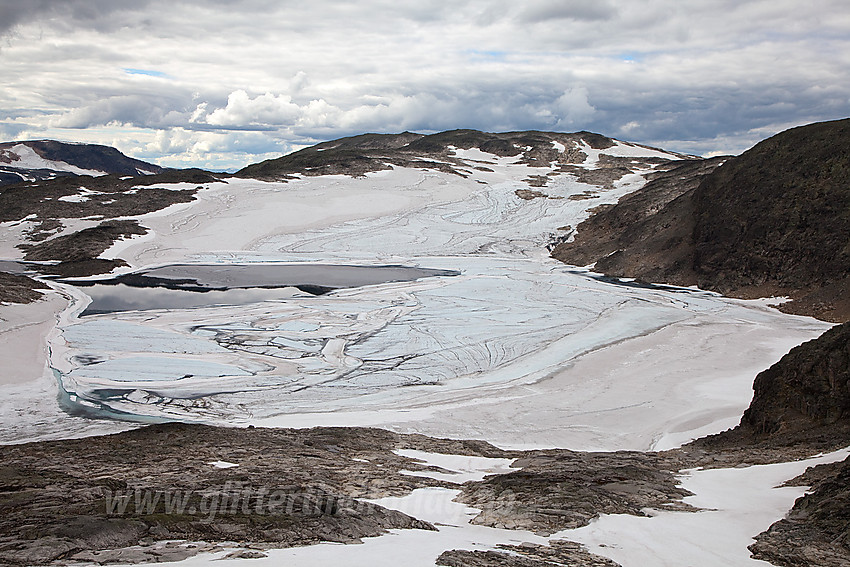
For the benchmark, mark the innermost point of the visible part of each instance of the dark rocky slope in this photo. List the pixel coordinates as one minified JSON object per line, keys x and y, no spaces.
{"x":773,"y":221}
{"x":92,"y":157}
{"x":627,"y":238}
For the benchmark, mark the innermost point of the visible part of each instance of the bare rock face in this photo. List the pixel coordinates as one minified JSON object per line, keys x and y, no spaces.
{"x":773,"y":221}
{"x":809,"y":388}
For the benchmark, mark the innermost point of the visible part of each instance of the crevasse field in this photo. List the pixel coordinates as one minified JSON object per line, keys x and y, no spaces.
{"x":518,"y":349}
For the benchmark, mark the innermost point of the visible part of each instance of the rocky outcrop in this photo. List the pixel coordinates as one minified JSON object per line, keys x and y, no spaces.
{"x":560,"y":489}
{"x":526,"y":555}
{"x":773,"y":221}
{"x":807,"y":390}
{"x":93,"y":499}
{"x":78,"y":253}
{"x":85,"y":244}
{"x":18,"y":288}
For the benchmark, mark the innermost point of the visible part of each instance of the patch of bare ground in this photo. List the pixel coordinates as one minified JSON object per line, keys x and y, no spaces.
{"x":526,"y":555}
{"x":17,"y":288}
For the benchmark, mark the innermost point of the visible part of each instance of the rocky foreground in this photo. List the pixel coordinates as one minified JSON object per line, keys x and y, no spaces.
{"x":94,"y":499}
{"x":116,"y":498}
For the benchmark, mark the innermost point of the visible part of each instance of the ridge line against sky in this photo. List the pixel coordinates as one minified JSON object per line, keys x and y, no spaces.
{"x":221,"y":84}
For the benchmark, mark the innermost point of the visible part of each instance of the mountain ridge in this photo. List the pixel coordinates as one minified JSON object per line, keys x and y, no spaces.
{"x":358,"y":155}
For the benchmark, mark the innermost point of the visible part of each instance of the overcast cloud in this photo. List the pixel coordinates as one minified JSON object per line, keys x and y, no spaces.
{"x":221,"y":84}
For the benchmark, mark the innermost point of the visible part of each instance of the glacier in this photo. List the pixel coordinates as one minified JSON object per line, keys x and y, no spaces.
{"x":553,"y":354}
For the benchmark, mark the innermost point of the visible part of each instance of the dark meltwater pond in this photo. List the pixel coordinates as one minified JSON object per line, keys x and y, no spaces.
{"x":182,"y":286}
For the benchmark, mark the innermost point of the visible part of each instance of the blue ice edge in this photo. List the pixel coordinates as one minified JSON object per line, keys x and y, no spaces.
{"x":93,"y":410}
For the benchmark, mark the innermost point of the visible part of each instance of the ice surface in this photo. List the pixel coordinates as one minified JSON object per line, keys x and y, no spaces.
{"x":551,"y":354}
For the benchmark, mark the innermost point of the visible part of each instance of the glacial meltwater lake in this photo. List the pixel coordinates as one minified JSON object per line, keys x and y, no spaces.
{"x":184,"y":286}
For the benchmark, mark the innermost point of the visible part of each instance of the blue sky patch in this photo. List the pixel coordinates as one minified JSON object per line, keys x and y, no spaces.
{"x":148,"y":72}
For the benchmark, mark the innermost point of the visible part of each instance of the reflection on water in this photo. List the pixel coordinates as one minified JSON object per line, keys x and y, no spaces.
{"x":183,"y":286}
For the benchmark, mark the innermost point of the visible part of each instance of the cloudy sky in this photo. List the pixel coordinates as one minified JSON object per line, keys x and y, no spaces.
{"x":223,"y":83}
